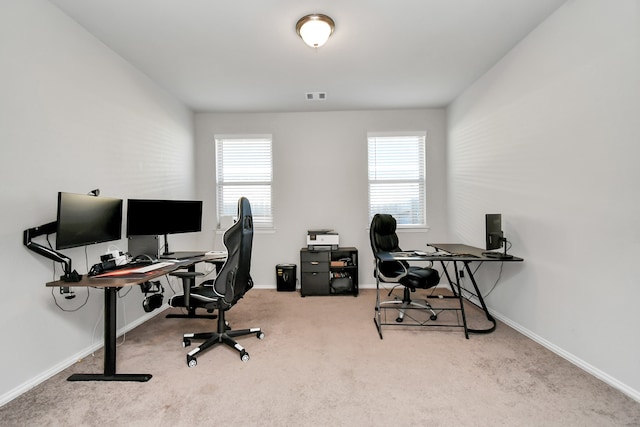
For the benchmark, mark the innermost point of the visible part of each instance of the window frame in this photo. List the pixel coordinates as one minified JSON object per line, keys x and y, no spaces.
{"x":261,"y":204}
{"x":420,"y":180}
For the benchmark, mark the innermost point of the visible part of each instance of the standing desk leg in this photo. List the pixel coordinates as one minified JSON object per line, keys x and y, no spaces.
{"x":484,"y":306}
{"x":110,"y":347}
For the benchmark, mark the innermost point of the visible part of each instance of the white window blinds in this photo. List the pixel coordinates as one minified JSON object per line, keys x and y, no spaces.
{"x":244,"y":168}
{"x":397,"y":177}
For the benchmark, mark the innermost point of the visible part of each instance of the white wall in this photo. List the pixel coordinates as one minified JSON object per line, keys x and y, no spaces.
{"x":73,"y":117}
{"x":549,"y":138}
{"x":320,"y":179}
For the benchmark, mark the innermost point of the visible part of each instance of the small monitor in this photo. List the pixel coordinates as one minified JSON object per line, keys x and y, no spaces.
{"x":493,"y":231}
{"x":84,"y":220}
{"x":494,"y":236}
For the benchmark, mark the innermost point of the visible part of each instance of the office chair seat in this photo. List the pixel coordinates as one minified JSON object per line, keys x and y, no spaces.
{"x":184,"y":300}
{"x":418,"y":277}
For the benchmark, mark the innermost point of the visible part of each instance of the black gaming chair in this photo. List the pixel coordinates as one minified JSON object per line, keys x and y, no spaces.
{"x":227,"y":288}
{"x":382,"y":234}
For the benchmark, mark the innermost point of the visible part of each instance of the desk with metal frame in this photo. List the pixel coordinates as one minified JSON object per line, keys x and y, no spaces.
{"x":446,"y":252}
{"x":111,"y":286}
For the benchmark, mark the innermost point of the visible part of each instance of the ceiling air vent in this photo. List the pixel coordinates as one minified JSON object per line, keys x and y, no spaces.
{"x":316,"y":96}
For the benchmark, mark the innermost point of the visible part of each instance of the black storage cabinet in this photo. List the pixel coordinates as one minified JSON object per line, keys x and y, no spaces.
{"x":286,"y":277}
{"x":329,"y":272}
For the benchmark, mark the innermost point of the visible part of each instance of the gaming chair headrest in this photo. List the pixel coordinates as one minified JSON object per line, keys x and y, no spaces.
{"x":244,"y":207}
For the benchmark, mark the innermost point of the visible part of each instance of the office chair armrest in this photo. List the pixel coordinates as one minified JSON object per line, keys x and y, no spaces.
{"x":393,"y":279}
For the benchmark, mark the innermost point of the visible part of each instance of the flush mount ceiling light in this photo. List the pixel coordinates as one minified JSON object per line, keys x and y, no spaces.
{"x":315,"y":29}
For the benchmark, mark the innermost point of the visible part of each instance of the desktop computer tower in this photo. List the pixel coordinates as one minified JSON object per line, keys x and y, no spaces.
{"x":286,"y":277}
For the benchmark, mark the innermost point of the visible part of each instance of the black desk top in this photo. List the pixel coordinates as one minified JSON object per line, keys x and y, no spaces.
{"x":445,"y":252}
{"x":123,"y":278}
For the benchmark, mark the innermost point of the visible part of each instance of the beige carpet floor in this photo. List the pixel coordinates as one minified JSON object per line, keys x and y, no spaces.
{"x":322,"y":363}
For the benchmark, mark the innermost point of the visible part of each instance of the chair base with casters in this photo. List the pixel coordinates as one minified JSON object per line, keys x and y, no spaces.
{"x":188,"y":283}
{"x":223,"y":335}
{"x":407,"y":302}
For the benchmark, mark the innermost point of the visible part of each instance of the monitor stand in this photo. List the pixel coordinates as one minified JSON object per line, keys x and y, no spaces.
{"x":499,"y":255}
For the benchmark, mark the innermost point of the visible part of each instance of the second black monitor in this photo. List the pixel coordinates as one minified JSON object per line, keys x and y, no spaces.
{"x":495,"y":237}
{"x":493,"y":231}
{"x":155,"y":217}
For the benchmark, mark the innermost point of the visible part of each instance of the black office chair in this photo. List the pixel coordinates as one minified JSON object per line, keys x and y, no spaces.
{"x":382,"y":235}
{"x":229,"y":286}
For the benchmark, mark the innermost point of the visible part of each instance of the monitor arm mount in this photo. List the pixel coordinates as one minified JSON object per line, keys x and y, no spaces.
{"x":69,"y":275}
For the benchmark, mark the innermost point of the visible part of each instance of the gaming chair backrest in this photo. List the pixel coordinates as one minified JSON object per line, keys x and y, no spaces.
{"x":234,"y":279}
{"x":383,"y":237}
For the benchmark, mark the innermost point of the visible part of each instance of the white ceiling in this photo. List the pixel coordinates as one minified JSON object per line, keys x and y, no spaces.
{"x":245,"y":56}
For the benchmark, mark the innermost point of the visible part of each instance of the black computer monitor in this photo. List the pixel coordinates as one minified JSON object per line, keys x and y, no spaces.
{"x":494,"y":236}
{"x":493,"y":231}
{"x":84,"y":220}
{"x":155,"y":217}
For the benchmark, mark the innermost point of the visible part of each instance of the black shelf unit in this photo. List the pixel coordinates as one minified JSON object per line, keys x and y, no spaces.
{"x":329,"y":272}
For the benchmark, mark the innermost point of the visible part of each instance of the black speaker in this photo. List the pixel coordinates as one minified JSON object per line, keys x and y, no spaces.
{"x":286,"y":277}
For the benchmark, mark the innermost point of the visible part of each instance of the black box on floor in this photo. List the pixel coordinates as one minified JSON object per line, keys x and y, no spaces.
{"x":286,"y":277}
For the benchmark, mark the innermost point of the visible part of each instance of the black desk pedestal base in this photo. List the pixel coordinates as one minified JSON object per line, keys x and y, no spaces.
{"x":109,"y":374}
{"x":115,"y":377}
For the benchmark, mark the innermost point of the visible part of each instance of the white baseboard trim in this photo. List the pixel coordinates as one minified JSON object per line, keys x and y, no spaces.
{"x":43,"y":376}
{"x":608,"y":379}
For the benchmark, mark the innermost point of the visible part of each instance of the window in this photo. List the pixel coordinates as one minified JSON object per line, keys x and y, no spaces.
{"x":397,"y":178}
{"x":244,"y":168}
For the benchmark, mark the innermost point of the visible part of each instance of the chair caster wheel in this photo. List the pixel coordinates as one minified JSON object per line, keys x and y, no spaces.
{"x":399,"y":319}
{"x":260,"y":335}
{"x":186,"y":342}
{"x":191,"y":361}
{"x":244,"y":356}
{"x":433,"y":317}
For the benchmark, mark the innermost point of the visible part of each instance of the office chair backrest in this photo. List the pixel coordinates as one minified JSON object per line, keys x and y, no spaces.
{"x":382,"y":233}
{"x":234,"y":279}
{"x":383,"y":237}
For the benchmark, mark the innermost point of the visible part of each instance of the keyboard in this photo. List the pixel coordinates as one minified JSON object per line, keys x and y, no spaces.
{"x":151,"y":267}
